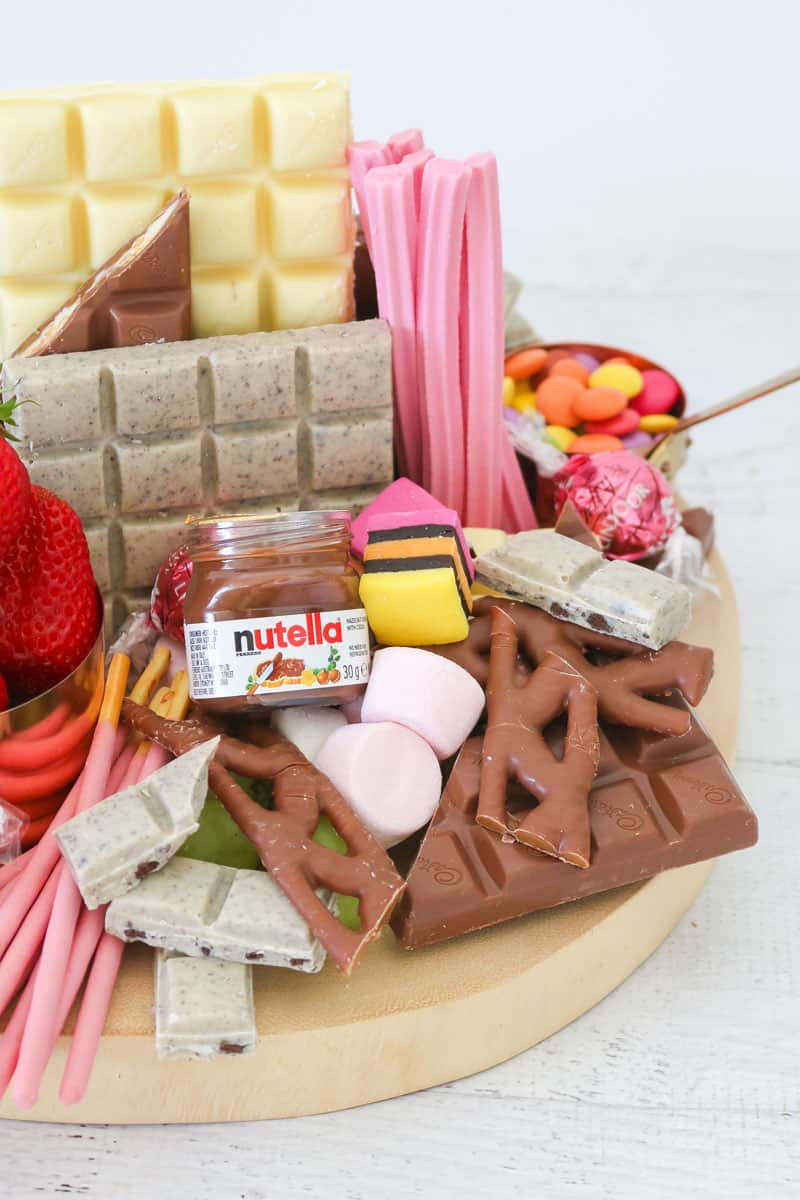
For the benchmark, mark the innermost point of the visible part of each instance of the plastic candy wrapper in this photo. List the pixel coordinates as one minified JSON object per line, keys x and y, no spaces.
{"x":12,"y":824}
{"x":526,"y":431}
{"x":683,"y":560}
{"x":625,"y":501}
{"x":169,"y":593}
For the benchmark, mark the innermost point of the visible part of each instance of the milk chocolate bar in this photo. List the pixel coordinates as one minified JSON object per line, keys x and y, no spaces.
{"x":203,"y":1007}
{"x":83,"y":169}
{"x":137,"y":439}
{"x":142,"y":294}
{"x":202,"y":909}
{"x":575,"y":582}
{"x":656,"y":802}
{"x":112,"y":846}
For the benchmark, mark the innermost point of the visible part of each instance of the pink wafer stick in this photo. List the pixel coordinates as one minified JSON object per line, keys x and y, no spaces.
{"x":482,"y":342}
{"x":441,"y":229}
{"x":361,"y":158}
{"x":389,"y":197}
{"x":87,"y":935}
{"x":91,"y":1019}
{"x":120,"y":767}
{"x":407,"y":142}
{"x":25,"y":946}
{"x":154,"y":760}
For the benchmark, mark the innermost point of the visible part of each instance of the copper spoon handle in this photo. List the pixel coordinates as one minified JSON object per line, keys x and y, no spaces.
{"x":753,"y":393}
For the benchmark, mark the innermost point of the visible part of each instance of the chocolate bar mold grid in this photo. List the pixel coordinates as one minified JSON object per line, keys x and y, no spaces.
{"x":657,"y":802}
{"x":137,"y":439}
{"x":83,"y":170}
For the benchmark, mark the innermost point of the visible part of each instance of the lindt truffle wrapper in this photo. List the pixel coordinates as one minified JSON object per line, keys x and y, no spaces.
{"x":657,"y":802}
{"x":283,"y":836}
{"x":623,"y":499}
{"x":169,"y":593}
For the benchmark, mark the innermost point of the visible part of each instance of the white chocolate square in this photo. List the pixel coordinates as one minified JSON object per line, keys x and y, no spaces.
{"x":215,"y":131}
{"x":35,"y":234}
{"x":24,"y":306}
{"x":114,"y":216}
{"x":34,"y":148}
{"x":309,"y":218}
{"x":224,"y":223}
{"x":309,"y":124}
{"x":312,"y":295}
{"x":225,"y":302}
{"x":121,"y":137}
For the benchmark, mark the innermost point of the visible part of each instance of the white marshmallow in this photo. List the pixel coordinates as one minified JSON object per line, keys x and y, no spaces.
{"x":388,"y":775}
{"x":425,"y":692}
{"x":308,"y":726}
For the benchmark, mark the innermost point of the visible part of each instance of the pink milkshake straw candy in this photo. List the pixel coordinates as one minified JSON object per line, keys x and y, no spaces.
{"x":415,"y":163}
{"x":441,"y":230}
{"x":361,"y":157}
{"x":389,"y":199}
{"x":36,"y":1039}
{"x":482,"y":343}
{"x":402,"y":144}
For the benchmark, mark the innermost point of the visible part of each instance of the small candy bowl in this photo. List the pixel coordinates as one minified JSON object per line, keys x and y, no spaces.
{"x":44,"y":742}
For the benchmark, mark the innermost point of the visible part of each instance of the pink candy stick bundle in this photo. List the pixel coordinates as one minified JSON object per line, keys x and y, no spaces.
{"x":361,"y":157}
{"x":389,"y":196}
{"x":441,"y":225}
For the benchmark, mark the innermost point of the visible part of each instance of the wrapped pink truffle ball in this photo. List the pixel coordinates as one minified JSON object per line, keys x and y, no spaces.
{"x":627,"y":503}
{"x":169,"y":593}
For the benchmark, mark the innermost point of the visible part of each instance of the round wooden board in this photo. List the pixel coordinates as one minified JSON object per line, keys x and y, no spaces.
{"x":405,"y":1020}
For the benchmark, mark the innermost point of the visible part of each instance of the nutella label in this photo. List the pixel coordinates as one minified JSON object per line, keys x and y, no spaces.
{"x":299,"y":652}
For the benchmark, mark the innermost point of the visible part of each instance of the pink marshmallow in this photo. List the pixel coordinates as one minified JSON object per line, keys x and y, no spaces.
{"x":389,"y":776}
{"x":425,"y":692}
{"x":404,"y":503}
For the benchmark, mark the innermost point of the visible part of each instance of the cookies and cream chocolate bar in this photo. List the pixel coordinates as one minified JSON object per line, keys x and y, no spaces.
{"x":576,"y":583}
{"x":203,"y":1007}
{"x":204,"y":910}
{"x":112,"y":846}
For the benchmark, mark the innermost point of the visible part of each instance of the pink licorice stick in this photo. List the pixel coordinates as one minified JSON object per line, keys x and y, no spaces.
{"x":91,"y":1019}
{"x":25,"y":946}
{"x":482,"y":341}
{"x":361,"y":158}
{"x":87,"y":935}
{"x":389,"y":196}
{"x":440,"y":238}
{"x":407,"y":142}
{"x":518,"y":513}
{"x":36,"y":1039}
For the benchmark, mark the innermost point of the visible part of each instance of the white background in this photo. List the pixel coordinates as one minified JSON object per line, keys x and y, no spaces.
{"x":649,"y":158}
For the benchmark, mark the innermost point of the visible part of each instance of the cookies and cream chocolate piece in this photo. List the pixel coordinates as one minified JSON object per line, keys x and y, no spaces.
{"x":138,"y":438}
{"x":83,"y":169}
{"x":204,"y":910}
{"x":575,"y":583}
{"x":112,"y":846}
{"x":203,"y":1007}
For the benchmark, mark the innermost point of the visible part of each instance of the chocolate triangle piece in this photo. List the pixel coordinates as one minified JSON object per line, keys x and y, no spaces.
{"x":141,"y":294}
{"x":571,"y":524}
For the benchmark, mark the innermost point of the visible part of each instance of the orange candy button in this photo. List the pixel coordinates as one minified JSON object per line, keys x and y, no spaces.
{"x":595,"y":443}
{"x":525,"y":363}
{"x":600,"y":403}
{"x":556,"y":397}
{"x":571,"y":368}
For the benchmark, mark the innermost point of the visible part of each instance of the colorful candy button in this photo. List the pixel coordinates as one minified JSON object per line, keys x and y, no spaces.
{"x":589,"y":361}
{"x":659,"y":392}
{"x":554,"y":356}
{"x":636,"y":440}
{"x":522,"y":387}
{"x":619,"y":375}
{"x":599,"y":403}
{"x":525,"y":363}
{"x":572,"y":369}
{"x":657,"y":422}
{"x":560,"y":437}
{"x":509,"y":390}
{"x":595,"y":443}
{"x":556,"y":398}
{"x":526,"y":402}
{"x":623,"y":423}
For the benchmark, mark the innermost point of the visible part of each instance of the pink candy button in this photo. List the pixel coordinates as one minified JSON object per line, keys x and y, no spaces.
{"x":659,"y":393}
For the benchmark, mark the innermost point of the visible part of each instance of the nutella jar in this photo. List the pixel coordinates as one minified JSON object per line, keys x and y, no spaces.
{"x":272,"y":615}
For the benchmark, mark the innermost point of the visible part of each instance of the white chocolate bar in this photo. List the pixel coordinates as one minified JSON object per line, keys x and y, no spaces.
{"x":111,"y":847}
{"x":576,"y":583}
{"x":83,"y":169}
{"x":203,"y":1007}
{"x":201,"y":909}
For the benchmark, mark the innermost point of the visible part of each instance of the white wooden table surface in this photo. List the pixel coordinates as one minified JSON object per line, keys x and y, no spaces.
{"x":684,"y":1082}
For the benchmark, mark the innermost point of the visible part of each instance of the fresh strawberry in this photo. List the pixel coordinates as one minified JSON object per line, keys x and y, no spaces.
{"x":49,"y":611}
{"x":15,"y":486}
{"x":3,"y":695}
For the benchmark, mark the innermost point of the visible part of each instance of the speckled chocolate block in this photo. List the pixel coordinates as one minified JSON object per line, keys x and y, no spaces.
{"x":139,"y":438}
